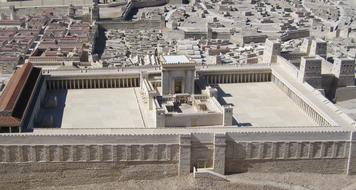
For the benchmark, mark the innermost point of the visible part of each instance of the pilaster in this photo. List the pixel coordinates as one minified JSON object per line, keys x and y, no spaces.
{"x":351,"y":162}
{"x":219,"y":152}
{"x":184,"y":154}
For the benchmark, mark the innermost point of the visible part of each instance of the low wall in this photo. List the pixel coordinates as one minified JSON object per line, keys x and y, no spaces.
{"x":197,"y":119}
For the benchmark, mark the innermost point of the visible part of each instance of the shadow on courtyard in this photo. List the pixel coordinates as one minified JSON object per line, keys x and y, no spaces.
{"x":221,"y":99}
{"x":55,"y":112}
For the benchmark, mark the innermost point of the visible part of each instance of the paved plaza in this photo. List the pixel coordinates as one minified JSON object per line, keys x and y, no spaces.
{"x":99,"y":108}
{"x":262,"y":104}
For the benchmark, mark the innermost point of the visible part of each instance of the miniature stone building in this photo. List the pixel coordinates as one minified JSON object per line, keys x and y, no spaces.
{"x":178,"y":75}
{"x":310,"y":71}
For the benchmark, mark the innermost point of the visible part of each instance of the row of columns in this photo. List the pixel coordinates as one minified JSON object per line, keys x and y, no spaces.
{"x":93,"y":83}
{"x":301,"y":103}
{"x":238,"y":78}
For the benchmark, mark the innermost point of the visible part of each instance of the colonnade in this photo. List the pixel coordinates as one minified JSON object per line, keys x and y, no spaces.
{"x":301,"y":103}
{"x":237,"y":78}
{"x":93,"y":83}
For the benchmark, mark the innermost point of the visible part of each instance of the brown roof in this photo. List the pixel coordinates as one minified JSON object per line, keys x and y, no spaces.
{"x":9,"y":121}
{"x":14,"y":87}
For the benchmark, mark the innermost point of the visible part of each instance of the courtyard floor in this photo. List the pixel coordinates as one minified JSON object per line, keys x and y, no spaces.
{"x":97,"y":108}
{"x":262,"y":104}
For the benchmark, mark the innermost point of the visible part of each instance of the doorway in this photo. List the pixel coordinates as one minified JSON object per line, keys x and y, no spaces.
{"x":178,"y":86}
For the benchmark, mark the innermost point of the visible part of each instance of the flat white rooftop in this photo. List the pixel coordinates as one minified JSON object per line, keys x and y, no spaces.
{"x":263,"y":105}
{"x":98,"y":108}
{"x":175,"y":59}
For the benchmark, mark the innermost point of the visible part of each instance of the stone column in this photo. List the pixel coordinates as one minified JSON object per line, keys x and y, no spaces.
{"x":219,"y":152}
{"x":351,"y":162}
{"x":184,"y":154}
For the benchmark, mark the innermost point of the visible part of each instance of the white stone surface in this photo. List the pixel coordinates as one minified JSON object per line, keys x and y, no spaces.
{"x":101,"y":108}
{"x":263,"y":104}
{"x":174,"y":59}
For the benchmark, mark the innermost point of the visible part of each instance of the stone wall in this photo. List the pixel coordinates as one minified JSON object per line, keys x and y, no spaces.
{"x":148,"y":3}
{"x":46,"y":3}
{"x":303,"y":156}
{"x":197,"y":119}
{"x":131,"y":25}
{"x":89,"y":153}
{"x":224,"y":152}
{"x":351,"y":164}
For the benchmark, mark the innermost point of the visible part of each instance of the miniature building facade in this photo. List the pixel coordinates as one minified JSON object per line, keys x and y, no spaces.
{"x":343,"y":69}
{"x":178,"y":74}
{"x":310,"y":71}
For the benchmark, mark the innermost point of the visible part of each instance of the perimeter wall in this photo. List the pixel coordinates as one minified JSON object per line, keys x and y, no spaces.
{"x":46,"y":3}
{"x":177,"y":154}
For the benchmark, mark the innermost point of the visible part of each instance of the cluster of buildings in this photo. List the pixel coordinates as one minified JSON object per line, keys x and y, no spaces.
{"x":133,"y":47}
{"x":18,"y":41}
{"x":64,"y":42}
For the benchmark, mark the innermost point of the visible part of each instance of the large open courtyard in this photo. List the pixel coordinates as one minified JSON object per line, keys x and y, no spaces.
{"x":262,"y":104}
{"x":97,"y":108}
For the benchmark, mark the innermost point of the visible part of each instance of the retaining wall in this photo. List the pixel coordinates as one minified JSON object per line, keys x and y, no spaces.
{"x":46,"y":3}
{"x":231,"y":152}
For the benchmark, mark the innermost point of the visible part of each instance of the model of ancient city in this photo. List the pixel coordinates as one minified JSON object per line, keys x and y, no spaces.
{"x":178,"y":94}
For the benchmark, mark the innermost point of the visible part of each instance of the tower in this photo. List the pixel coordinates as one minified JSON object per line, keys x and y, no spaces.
{"x":343,"y":69}
{"x":310,"y":71}
{"x":272,"y":49}
{"x":318,"y":47}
